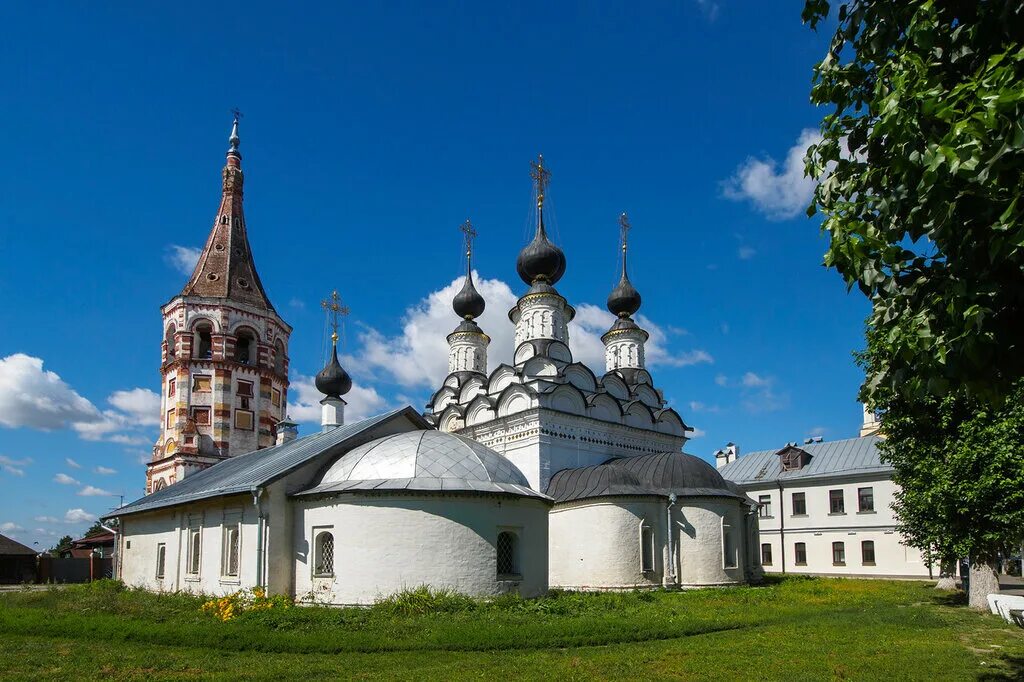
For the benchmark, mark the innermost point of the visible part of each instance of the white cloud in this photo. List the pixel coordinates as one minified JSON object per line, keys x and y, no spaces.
{"x":78,"y":516}
{"x":746,"y":252}
{"x":92,"y":491}
{"x":105,"y":471}
{"x":818,"y":431}
{"x":64,"y":479}
{"x":15,"y":467}
{"x":72,"y":463}
{"x":46,"y":519}
{"x":10,"y":527}
{"x":304,"y":401}
{"x":759,"y":394}
{"x":697,"y":406}
{"x":778,"y":193}
{"x":709,"y":8}
{"x":36,"y":398}
{"x":141,"y":405}
{"x":297,"y":303}
{"x":182,"y":258}
{"x":751,"y":380}
{"x":696,"y":433}
{"x":721,"y":380}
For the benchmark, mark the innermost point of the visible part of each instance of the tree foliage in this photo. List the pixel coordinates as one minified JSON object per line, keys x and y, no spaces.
{"x":920,"y":170}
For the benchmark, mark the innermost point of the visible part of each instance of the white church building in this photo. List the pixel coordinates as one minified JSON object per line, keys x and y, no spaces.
{"x":536,"y":474}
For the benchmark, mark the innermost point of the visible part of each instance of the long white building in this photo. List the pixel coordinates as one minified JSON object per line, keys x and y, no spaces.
{"x":825,"y":508}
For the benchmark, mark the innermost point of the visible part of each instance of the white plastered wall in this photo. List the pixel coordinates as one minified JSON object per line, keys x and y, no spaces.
{"x":388,"y":542}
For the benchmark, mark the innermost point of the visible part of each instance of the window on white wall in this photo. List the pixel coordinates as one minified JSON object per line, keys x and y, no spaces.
{"x":194,"y":550}
{"x":161,"y":559}
{"x":323,"y":554}
{"x":766,"y":554}
{"x":764,"y":506}
{"x":729,"y":558}
{"x":230,"y":551}
{"x":508,"y":553}
{"x":646,"y":548}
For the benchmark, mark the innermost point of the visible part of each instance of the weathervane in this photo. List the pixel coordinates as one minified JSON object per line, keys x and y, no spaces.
{"x":541,"y":176}
{"x":468,"y":235}
{"x":333,"y":309}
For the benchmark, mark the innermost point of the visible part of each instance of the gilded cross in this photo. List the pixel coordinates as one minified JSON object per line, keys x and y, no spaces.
{"x":333,"y":308}
{"x":541,"y":176}
{"x":468,"y":235}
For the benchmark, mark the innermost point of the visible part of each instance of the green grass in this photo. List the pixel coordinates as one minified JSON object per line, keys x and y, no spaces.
{"x":793,"y":629}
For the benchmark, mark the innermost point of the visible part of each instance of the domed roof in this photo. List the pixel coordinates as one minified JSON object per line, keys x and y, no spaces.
{"x":624,"y":299}
{"x":541,"y":260}
{"x":660,"y":474}
{"x":333,"y":381}
{"x":468,"y":303}
{"x":425,"y":461}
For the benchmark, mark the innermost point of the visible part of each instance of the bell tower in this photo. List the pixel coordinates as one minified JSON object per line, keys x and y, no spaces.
{"x":224,"y":358}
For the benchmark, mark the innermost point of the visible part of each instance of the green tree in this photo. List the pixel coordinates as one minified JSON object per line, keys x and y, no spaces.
{"x":921,"y":169}
{"x":96,"y":527}
{"x":62,"y":545}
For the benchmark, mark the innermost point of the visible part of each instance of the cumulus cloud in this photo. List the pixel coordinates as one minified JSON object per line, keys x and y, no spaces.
{"x":697,"y":406}
{"x":15,"y":467}
{"x":182,"y":258}
{"x":141,"y":405}
{"x":105,"y":471}
{"x":751,"y":380}
{"x":78,"y":516}
{"x":592,"y":321}
{"x":697,"y":433}
{"x":721,"y":380}
{"x":36,"y":398}
{"x":304,"y":401}
{"x":10,"y":527}
{"x":779,"y":191}
{"x":746,"y":252}
{"x":72,"y":463}
{"x":64,"y":479}
{"x":46,"y":519}
{"x":93,"y":491}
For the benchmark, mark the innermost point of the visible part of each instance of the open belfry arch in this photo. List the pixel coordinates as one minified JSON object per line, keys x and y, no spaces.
{"x":224,"y":359}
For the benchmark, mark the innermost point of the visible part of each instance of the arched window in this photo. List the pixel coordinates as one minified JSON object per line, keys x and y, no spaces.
{"x":203,"y":341}
{"x":161,"y":559}
{"x":159,"y":485}
{"x":169,"y":338}
{"x":508,"y":554}
{"x":646,"y":548}
{"x":279,"y":357}
{"x":323,"y":554}
{"x":231,"y":543}
{"x":245,"y":348}
{"x":729,"y":558}
{"x":194,"y":551}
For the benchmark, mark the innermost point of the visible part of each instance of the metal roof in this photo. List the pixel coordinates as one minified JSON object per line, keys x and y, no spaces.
{"x":423,"y":461}
{"x":11,"y":547}
{"x":243,"y":473}
{"x":660,"y":474}
{"x":827,"y":459}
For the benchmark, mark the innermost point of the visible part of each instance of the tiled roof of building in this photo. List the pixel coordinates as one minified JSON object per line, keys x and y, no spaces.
{"x":827,"y":459}
{"x":660,"y":474}
{"x":9,"y":547}
{"x":243,"y":473}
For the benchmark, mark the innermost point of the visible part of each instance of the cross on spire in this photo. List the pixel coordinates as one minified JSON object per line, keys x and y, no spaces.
{"x":468,"y":233}
{"x":333,"y":309}
{"x":624,"y":228}
{"x":541,"y":176}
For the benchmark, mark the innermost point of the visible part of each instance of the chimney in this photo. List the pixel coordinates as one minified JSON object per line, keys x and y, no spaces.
{"x":727,"y":455}
{"x":287,"y":431}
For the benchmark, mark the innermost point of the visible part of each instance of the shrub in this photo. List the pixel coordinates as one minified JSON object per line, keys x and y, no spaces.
{"x":423,"y":600}
{"x":255,"y":599}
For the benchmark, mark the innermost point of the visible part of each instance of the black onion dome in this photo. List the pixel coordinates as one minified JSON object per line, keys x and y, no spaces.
{"x":333,"y":381}
{"x":624,"y":299}
{"x":468,"y":303}
{"x":540,"y":259}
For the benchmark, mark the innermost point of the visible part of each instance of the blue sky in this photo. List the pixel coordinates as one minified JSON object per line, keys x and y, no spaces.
{"x":371,"y":132}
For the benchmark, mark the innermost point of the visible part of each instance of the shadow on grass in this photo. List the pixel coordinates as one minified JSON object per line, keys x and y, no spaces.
{"x":954,"y":598}
{"x":1013,"y":670}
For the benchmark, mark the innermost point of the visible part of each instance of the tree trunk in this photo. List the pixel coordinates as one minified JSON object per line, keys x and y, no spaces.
{"x":984,"y":581}
{"x":947,"y":576}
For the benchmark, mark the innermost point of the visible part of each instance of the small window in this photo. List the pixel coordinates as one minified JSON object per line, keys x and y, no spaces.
{"x":201,"y":383}
{"x":245,"y":349}
{"x":245,"y":388}
{"x":764,"y":506}
{"x":838,"y":554}
{"x":171,"y":386}
{"x":161,"y":559}
{"x":244,"y":420}
{"x":507,"y":550}
{"x":799,"y":504}
{"x":766,"y":554}
{"x":729,"y":559}
{"x":867,"y":552}
{"x":800,"y":554}
{"x":835,"y":502}
{"x":866,"y":499}
{"x":229,"y":562}
{"x":170,"y":419}
{"x":323,"y":554}
{"x":279,"y":358}
{"x":204,"y":348}
{"x":194,"y":551}
{"x":171,"y":349}
{"x":275,"y":397}
{"x":201,"y":416}
{"x":646,"y":548}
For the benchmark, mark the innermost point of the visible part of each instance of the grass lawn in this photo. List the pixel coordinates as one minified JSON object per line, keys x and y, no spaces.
{"x":793,"y":629}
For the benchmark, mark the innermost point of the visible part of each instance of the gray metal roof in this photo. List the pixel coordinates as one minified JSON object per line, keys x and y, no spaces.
{"x":11,"y":547}
{"x":242,"y":473}
{"x":423,"y":461}
{"x":660,"y":474}
{"x":828,"y":459}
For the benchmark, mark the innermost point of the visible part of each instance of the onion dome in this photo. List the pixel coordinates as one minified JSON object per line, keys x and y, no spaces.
{"x":624,"y":299}
{"x":333,"y":381}
{"x":540,"y":260}
{"x":468,"y":303}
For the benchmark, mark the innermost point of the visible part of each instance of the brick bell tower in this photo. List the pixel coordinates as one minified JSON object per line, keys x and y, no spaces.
{"x":224,"y":366}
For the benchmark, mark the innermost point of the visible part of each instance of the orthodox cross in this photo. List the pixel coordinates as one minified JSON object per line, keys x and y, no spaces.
{"x":624,"y":228}
{"x":237,"y":113}
{"x":541,"y":176}
{"x":333,"y":309}
{"x":468,"y":235}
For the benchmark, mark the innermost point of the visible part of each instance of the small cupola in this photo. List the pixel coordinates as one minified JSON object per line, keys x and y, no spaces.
{"x":540,"y":261}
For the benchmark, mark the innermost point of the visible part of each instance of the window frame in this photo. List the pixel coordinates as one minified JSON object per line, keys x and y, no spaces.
{"x":864,"y":546}
{"x":764,"y":509}
{"x":172,"y":387}
{"x":766,"y":556}
{"x":207,"y":410}
{"x":198,"y":380}
{"x":832,"y":498}
{"x":803,"y":504}
{"x":231,"y":529}
{"x":729,"y":547}
{"x":194,"y":555}
{"x":248,"y":387}
{"x":161,"y":560}
{"x":320,"y":533}
{"x":252,"y":420}
{"x":515,"y":572}
{"x":646,"y":548}
{"x":838,"y":553}
{"x":860,"y":500}
{"x":799,"y":548}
